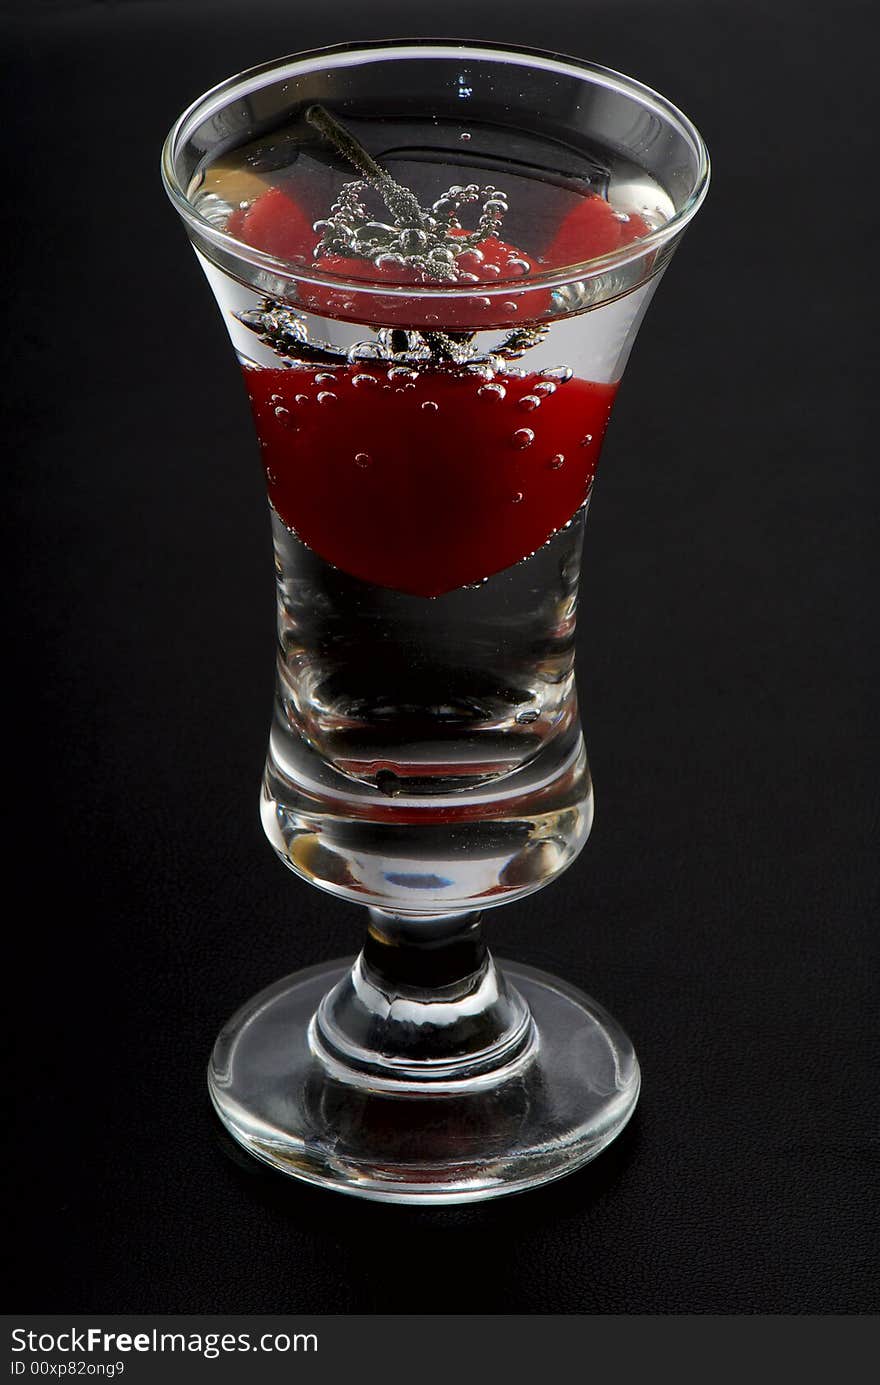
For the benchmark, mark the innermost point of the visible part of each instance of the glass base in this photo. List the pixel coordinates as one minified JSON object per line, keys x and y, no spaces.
{"x":554,"y":1101}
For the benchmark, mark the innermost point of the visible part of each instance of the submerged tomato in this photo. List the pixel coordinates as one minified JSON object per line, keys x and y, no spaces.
{"x":593,"y":228}
{"x":426,"y":481}
{"x":275,"y":223}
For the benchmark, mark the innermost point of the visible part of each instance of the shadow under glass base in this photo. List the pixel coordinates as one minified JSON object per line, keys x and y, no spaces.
{"x":565,"y":1086}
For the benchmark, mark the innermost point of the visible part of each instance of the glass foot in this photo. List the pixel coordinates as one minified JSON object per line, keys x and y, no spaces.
{"x":561,"y":1086}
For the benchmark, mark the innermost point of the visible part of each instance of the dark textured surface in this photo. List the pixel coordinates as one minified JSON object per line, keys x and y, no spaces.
{"x":723,"y":908}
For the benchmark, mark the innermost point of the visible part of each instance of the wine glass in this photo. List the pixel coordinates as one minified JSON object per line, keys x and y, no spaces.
{"x":432,"y":259}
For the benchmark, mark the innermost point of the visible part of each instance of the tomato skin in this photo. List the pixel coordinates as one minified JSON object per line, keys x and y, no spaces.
{"x":276,"y":224}
{"x":592,"y":228}
{"x":425,"y":481}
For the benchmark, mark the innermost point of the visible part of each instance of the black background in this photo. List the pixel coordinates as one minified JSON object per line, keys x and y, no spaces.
{"x":723,"y":908}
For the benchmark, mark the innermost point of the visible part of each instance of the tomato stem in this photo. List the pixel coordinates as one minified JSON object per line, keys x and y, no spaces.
{"x":402,"y":204}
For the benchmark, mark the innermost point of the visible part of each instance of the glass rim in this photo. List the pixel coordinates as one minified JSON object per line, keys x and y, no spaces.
{"x":352,"y":55}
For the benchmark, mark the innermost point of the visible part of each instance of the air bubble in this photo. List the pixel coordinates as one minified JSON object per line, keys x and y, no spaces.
{"x":557,"y":461}
{"x":516,"y":263}
{"x":586,"y":440}
{"x":529,"y":402}
{"x":281,"y":412}
{"x":560,"y":373}
{"x":362,"y":459}
{"x":491,"y":392}
{"x":326,"y":397}
{"x":364,"y":379}
{"x":325,"y":378}
{"x":510,"y":307}
{"x":402,"y":372}
{"x":523,"y":437}
{"x":464,"y":136}
{"x":430,"y":406}
{"x":544,"y":389}
{"x":524,"y":718}
{"x":518,"y":495}
{"x":301,"y":399}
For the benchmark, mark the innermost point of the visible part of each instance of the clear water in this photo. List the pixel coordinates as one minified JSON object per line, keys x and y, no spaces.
{"x":426,"y":755}
{"x":421,"y":696}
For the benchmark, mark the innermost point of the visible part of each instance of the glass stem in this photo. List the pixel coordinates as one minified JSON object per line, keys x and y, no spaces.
{"x":424,"y":1002}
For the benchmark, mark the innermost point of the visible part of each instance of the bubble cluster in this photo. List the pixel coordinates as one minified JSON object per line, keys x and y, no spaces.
{"x":428,"y":239}
{"x":522,"y":438}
